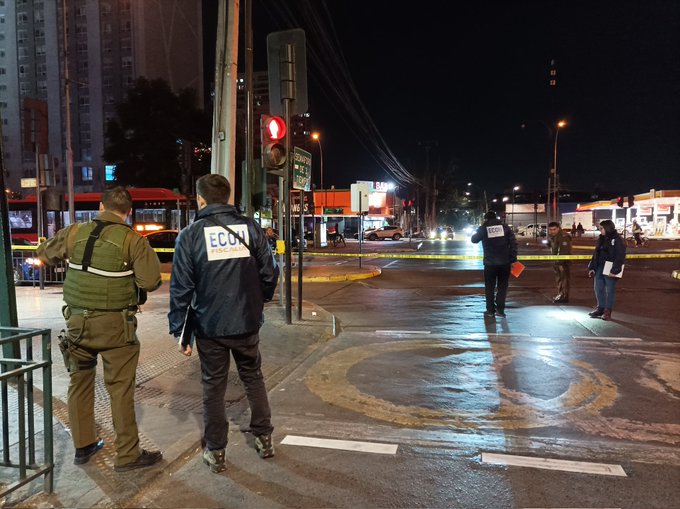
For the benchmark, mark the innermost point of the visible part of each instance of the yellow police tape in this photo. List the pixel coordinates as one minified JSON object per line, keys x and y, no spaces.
{"x":434,"y":257}
{"x":480,"y":257}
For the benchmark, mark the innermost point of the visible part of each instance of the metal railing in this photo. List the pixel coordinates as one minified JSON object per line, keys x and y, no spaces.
{"x":27,"y":268}
{"x":17,"y":373}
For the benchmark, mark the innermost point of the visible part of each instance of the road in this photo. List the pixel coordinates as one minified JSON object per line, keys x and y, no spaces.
{"x":438,"y":392}
{"x":419,"y":401}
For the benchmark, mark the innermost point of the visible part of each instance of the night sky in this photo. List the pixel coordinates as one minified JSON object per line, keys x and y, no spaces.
{"x":468,"y":76}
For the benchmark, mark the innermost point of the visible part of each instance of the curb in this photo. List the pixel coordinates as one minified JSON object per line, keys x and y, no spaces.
{"x":337,"y":278}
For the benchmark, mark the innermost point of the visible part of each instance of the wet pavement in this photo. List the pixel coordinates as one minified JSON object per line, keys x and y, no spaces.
{"x":417,"y":369}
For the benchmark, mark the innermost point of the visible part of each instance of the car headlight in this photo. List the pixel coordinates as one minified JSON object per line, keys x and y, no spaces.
{"x":34,"y":261}
{"x":433,"y":235}
{"x":442,"y":235}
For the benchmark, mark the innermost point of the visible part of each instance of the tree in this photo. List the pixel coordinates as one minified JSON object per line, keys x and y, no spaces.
{"x":152,"y":141}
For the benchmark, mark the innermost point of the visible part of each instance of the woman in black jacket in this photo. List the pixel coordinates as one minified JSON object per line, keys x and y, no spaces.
{"x":611,"y":248}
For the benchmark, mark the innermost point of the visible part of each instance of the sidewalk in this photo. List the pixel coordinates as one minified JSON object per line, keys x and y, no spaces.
{"x":168,"y":400}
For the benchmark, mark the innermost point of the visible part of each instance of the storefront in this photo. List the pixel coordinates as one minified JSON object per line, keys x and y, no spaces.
{"x":658,"y":212}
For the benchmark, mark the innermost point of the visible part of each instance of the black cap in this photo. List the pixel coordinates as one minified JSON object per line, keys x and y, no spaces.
{"x":490,"y":215}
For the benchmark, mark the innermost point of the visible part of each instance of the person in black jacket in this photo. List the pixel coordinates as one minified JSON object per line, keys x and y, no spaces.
{"x":500,"y":252}
{"x":223,"y":273}
{"x":611,"y":248}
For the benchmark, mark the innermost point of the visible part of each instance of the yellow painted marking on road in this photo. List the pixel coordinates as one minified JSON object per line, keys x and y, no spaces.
{"x":479,"y":371}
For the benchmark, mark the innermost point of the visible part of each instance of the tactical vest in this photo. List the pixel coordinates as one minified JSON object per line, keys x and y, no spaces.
{"x":105,"y":282}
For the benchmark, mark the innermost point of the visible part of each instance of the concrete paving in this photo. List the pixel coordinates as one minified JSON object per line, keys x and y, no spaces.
{"x":168,"y":398}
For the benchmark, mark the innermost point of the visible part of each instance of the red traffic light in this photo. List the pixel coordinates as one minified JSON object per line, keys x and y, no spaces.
{"x":619,"y":201}
{"x":275,"y":128}
{"x":272,"y":131}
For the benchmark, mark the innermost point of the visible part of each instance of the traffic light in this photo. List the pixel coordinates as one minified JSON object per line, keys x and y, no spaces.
{"x":619,"y":201}
{"x":631,"y":201}
{"x":272,"y":132}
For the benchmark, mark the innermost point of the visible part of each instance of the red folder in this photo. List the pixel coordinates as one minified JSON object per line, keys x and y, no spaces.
{"x":516,"y":269}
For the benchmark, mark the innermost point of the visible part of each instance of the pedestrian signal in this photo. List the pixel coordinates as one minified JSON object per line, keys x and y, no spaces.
{"x":631,"y":201}
{"x":272,"y":132}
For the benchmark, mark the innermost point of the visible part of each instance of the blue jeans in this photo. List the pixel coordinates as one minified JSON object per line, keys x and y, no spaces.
{"x":605,"y":290}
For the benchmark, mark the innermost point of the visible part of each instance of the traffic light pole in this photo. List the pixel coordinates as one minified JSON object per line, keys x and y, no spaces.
{"x":288,"y":217}
{"x":302,"y":243}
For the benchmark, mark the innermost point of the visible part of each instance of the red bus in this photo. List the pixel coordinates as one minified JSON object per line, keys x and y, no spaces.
{"x":152,"y":209}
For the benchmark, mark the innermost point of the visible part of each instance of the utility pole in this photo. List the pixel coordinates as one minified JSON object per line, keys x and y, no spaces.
{"x":250,"y":170}
{"x":69,"y":147}
{"x":224,"y":106}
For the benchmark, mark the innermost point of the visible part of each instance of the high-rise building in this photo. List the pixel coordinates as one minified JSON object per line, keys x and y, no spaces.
{"x":110,"y":44}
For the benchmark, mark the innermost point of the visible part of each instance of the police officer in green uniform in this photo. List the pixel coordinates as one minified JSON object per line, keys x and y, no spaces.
{"x":560,"y":244}
{"x":110,"y":266}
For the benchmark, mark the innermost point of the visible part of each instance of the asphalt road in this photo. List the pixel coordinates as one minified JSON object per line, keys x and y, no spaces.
{"x":438,"y":392}
{"x":417,"y":365}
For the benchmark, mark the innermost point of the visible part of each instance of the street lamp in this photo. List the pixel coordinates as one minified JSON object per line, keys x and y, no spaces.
{"x":316,"y":136}
{"x":512,"y":217}
{"x":553,"y":180}
{"x":486,"y":203}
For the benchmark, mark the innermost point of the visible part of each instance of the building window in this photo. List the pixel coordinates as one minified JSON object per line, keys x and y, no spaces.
{"x":22,"y":18}
{"x":109,"y":99}
{"x":39,"y":32}
{"x":126,"y":63}
{"x":42,"y":87}
{"x":82,"y":48}
{"x":109,"y":170}
{"x":40,"y":51}
{"x":22,"y":36}
{"x":23,"y":53}
{"x":84,"y":100}
{"x":3,"y":70}
{"x":42,"y":69}
{"x":39,"y":17}
{"x":553,"y":83}
{"x":83,"y":66}
{"x":24,"y":88}
{"x":107,"y":82}
{"x":126,"y":26}
{"x":87,"y":173}
{"x":23,"y":70}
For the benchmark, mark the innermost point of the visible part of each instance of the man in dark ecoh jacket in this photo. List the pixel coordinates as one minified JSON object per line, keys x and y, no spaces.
{"x":500,"y":252}
{"x":223,"y":273}
{"x":611,"y":248}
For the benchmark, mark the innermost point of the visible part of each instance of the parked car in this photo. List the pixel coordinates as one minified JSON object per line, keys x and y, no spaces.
{"x":384,"y":232}
{"x":163,"y":239}
{"x":530,"y":229}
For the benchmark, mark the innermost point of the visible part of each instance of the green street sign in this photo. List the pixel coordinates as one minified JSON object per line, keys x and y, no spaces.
{"x":302,"y":169}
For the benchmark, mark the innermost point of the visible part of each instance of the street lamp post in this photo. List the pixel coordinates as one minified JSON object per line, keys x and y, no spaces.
{"x":553,"y":179}
{"x":317,"y":138}
{"x":486,"y":203}
{"x":512,"y":217}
